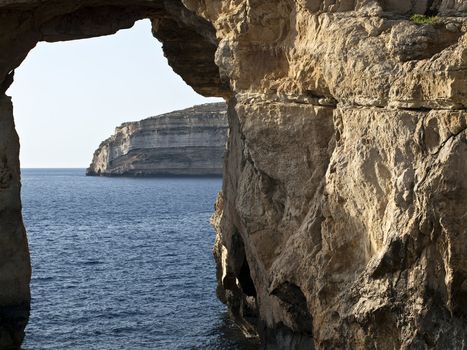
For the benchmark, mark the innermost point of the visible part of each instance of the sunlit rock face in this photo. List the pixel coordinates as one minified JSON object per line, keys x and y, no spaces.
{"x":187,"y":142}
{"x":344,"y":200}
{"x":342,"y":220}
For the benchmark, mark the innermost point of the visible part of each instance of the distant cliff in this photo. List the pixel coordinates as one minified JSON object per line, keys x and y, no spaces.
{"x":186,"y":142}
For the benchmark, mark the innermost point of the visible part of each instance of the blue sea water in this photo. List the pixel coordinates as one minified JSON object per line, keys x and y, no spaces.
{"x":123,"y":263}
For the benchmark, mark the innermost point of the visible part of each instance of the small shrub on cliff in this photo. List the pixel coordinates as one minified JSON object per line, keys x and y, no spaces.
{"x":422,"y":19}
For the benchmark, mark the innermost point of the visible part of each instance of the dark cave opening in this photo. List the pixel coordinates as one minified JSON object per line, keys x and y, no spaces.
{"x":241,"y":269}
{"x":296,"y":305}
{"x":245,"y":280}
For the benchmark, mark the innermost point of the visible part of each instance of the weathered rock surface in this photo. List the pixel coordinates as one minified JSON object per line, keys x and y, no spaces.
{"x":342,"y":220}
{"x":186,"y":142}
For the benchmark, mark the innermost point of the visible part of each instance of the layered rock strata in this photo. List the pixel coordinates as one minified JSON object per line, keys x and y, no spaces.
{"x":342,"y":220}
{"x":186,"y":142}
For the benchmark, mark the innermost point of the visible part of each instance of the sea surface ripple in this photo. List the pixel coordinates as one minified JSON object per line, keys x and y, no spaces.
{"x":123,"y":263}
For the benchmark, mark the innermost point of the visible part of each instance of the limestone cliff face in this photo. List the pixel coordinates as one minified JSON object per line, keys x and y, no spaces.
{"x":187,"y":142}
{"x":342,"y":220}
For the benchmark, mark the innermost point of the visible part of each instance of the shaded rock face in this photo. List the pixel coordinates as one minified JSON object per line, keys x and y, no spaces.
{"x":342,"y":220}
{"x":187,"y":142}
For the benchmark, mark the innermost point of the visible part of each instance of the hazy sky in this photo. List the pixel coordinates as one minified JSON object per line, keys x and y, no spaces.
{"x":70,"y":96}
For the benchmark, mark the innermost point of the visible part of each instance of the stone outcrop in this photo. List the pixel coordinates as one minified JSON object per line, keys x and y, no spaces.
{"x":186,"y":142}
{"x":342,"y":220}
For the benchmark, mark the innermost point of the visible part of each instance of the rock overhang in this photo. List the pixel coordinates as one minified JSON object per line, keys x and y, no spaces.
{"x":182,"y":33}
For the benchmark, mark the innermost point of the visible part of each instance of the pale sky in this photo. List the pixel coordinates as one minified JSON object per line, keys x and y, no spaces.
{"x":70,"y":96}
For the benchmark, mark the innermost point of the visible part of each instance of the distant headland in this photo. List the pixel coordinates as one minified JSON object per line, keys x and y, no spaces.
{"x":189,"y":142}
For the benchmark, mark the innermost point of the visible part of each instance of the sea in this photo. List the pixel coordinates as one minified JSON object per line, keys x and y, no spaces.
{"x":123,"y":263}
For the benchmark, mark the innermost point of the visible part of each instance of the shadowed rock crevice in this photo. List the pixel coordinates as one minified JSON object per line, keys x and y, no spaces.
{"x":238,"y":290}
{"x":294,"y":299}
{"x":246,"y":283}
{"x":432,"y":7}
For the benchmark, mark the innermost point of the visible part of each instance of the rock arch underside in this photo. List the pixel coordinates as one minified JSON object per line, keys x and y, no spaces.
{"x":342,"y":220}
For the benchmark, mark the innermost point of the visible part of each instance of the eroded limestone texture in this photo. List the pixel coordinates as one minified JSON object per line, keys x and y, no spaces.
{"x":187,"y":142}
{"x":342,"y":220}
{"x":345,"y":190}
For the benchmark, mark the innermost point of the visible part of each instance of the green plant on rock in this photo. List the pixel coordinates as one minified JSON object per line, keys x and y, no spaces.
{"x":422,"y":19}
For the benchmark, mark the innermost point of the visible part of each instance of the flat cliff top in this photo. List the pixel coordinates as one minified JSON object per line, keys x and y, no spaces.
{"x":207,"y":111}
{"x":204,"y":115}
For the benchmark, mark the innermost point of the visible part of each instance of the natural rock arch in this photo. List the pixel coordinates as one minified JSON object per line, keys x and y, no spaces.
{"x":342,"y":218}
{"x":189,"y":44}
